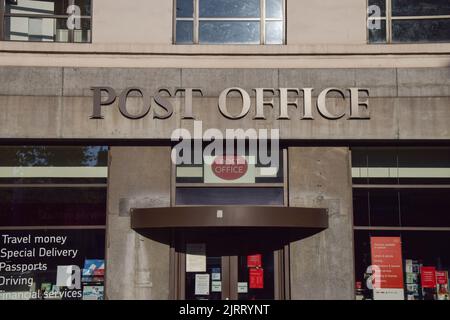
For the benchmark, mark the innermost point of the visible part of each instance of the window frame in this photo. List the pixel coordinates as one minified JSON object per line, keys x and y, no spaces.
{"x":196,"y":24}
{"x":71,"y":33}
{"x":389,"y":18}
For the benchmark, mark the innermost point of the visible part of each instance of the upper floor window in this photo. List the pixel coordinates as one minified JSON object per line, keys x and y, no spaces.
{"x":45,"y":20}
{"x":403,"y":21}
{"x":229,"y":22}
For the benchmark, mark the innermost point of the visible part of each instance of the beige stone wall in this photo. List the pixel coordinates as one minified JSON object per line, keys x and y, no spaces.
{"x":308,"y":22}
{"x":55,"y":103}
{"x":326,"y":22}
{"x":136,"y":266}
{"x":132,"y":21}
{"x":138,"y":33}
{"x":322,"y":266}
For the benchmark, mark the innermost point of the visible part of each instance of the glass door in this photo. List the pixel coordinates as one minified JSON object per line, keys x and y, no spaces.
{"x":206,"y":273}
{"x":228,"y":264}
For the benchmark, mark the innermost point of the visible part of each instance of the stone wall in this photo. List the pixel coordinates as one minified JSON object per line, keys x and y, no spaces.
{"x":55,"y":103}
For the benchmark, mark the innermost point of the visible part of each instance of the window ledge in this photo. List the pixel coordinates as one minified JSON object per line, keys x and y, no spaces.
{"x":259,"y":50}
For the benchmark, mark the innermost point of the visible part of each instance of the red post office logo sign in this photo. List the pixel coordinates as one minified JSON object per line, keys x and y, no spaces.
{"x":229,"y":167}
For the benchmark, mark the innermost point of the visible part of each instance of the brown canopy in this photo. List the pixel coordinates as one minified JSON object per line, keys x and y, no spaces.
{"x":229,"y":216}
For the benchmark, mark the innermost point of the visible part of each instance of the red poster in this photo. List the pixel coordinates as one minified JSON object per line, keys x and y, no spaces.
{"x":442,"y":285}
{"x":442,"y":277}
{"x":254,"y":261}
{"x":256,"y":279}
{"x":387,"y":256}
{"x":428,"y":277}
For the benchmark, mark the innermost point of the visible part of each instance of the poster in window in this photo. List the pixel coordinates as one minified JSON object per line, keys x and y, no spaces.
{"x":387,"y":258}
{"x":93,"y":292}
{"x":442,"y":285}
{"x":428,"y":277}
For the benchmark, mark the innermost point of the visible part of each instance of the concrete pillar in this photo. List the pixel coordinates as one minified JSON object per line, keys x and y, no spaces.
{"x":322,"y":265}
{"x":136,"y":267}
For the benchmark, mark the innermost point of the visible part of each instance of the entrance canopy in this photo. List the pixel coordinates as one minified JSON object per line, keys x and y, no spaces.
{"x":229,"y":216}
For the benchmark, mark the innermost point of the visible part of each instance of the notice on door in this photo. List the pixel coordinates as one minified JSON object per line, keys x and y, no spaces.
{"x":242,"y":287}
{"x":195,"y":257}
{"x":216,"y":286}
{"x":254,"y":261}
{"x":387,"y":261}
{"x":202,"y":284}
{"x":256,"y":278}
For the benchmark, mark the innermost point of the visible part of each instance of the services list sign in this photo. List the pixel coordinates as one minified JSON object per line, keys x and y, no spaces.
{"x":51,"y":264}
{"x":387,"y":261}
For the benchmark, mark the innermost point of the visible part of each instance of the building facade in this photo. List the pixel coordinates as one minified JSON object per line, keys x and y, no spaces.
{"x":106,"y":105}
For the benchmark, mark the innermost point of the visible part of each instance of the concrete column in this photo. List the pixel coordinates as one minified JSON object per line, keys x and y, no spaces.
{"x":136,"y":267}
{"x":322,"y":265}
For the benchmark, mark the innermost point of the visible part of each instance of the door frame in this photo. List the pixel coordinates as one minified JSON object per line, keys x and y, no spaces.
{"x":177,"y":276}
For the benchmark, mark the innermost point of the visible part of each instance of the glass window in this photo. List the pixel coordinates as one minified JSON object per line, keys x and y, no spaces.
{"x":405,"y":187}
{"x":252,"y":176}
{"x":401,"y":165}
{"x":229,"y":22}
{"x":53,"y":156}
{"x":37,"y":7}
{"x":52,"y":206}
{"x":414,"y":208}
{"x":274,"y":9}
{"x":47,"y":20}
{"x":418,"y":249}
{"x":429,"y":30}
{"x":425,"y":207}
{"x":53,"y":186}
{"x":229,"y":196}
{"x":420,"y":7}
{"x":233,"y":32}
{"x":53,"y":211}
{"x":85,"y":7}
{"x":39,"y":272}
{"x":384,"y":207}
{"x":229,"y":8}
{"x":274,"y":32}
{"x":377,"y":34}
{"x":408,"y":21}
{"x":184,"y":32}
{"x":361,"y":207}
{"x":185,"y":9}
{"x":377,"y":7}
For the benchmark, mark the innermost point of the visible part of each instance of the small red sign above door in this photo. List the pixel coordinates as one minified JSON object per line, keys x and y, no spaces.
{"x":254,"y":261}
{"x":256,"y":278}
{"x":229,"y":167}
